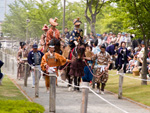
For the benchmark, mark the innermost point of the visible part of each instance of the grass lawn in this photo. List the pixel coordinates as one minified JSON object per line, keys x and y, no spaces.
{"x":9,"y":91}
{"x":13,"y":101}
{"x":131,"y":88}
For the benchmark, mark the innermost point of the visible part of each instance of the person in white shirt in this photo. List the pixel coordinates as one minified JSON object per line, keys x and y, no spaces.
{"x":100,"y":41}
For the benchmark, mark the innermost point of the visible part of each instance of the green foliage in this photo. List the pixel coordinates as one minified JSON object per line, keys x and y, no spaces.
{"x":39,"y":14}
{"x":109,"y":21}
{"x":20,"y":106}
{"x":136,"y":16}
{"x":13,"y":101}
{"x":74,"y":11}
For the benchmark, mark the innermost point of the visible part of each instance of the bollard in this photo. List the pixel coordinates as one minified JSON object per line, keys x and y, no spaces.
{"x":12,"y":60}
{"x":85,"y":92}
{"x":52,"y":94}
{"x":5,"y":60}
{"x":8,"y":63}
{"x":26,"y":74}
{"x":120,"y":86}
{"x":36,"y":73}
{"x":93,"y":80}
{"x":1,"y":57}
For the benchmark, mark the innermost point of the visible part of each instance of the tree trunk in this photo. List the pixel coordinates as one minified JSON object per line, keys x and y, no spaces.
{"x":144,"y":65}
{"x":93,"y":28}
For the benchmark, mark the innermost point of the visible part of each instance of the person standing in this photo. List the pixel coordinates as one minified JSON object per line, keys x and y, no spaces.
{"x":100,"y":41}
{"x":34,"y":59}
{"x":21,"y":58}
{"x":103,"y":63}
{"x":123,"y":54}
{"x":50,"y":61}
{"x":66,"y":33}
{"x":112,"y":50}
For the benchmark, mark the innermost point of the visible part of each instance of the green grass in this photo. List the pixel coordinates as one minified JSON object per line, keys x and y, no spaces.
{"x":8,"y":91}
{"x":13,"y":101}
{"x":131,"y":88}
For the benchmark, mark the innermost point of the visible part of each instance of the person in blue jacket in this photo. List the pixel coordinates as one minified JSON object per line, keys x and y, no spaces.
{"x":112,"y":50}
{"x":34,"y":59}
{"x":87,"y":74}
{"x":1,"y":74}
{"x":123,"y":55}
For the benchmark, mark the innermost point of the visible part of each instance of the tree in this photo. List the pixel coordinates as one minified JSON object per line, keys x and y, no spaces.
{"x":94,"y":8}
{"x":39,"y":13}
{"x":109,"y":20}
{"x":137,"y":16}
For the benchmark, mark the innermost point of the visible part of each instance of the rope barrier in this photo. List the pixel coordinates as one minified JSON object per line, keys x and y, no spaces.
{"x":88,"y":87}
{"x":133,"y":77}
{"x":94,"y":94}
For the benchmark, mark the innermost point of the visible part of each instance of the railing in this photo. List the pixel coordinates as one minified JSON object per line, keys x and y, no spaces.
{"x":10,"y":67}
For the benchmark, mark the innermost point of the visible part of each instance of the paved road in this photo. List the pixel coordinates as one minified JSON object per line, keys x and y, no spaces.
{"x":70,"y":102}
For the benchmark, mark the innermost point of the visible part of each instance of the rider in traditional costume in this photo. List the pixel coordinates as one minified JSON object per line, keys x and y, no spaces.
{"x":54,"y":34}
{"x":76,"y":54}
{"x":43,"y":38}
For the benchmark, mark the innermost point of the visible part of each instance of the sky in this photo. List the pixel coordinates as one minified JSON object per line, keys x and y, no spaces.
{"x":2,"y":6}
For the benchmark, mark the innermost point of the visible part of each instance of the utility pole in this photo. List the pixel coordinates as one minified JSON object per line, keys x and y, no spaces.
{"x":5,"y":6}
{"x":64,"y":16}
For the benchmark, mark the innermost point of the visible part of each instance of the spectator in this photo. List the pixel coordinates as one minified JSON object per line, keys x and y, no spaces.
{"x":122,"y":57}
{"x":132,"y":63}
{"x":95,"y":48}
{"x":141,"y":53}
{"x":100,"y":41}
{"x":114,"y":39}
{"x":112,"y":50}
{"x":34,"y":59}
{"x":123,"y":38}
{"x":66,"y":33}
{"x":118,"y":38}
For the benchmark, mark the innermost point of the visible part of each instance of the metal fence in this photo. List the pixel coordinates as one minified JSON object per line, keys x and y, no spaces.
{"x":10,"y":63}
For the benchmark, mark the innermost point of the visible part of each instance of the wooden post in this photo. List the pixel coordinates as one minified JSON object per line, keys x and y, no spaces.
{"x":120,"y":86}
{"x":8,"y":63}
{"x":5,"y":60}
{"x":36,"y":74}
{"x":13,"y":68}
{"x":52,"y":94}
{"x":26,"y":75}
{"x":1,"y":57}
{"x":85,"y":92}
{"x":93,"y":80}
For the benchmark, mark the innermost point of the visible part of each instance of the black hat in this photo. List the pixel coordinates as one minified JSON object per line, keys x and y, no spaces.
{"x":35,"y":46}
{"x":51,"y":44}
{"x":116,"y":44}
{"x":103,"y":46}
{"x":22,"y":44}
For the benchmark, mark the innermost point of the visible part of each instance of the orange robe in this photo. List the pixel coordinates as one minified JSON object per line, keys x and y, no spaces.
{"x":57,"y":60}
{"x":52,"y":34}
